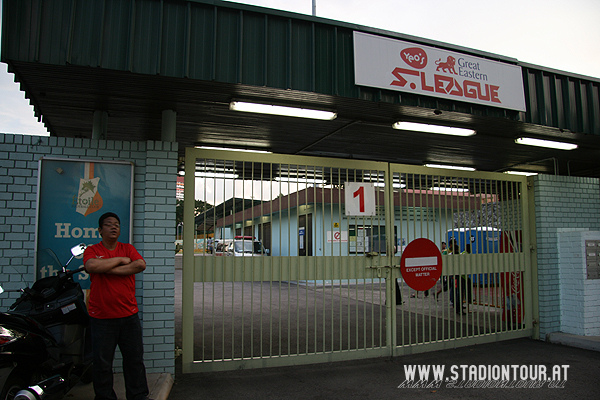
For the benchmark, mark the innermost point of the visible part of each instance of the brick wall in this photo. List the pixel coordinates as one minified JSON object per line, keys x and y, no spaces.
{"x":153,"y":223}
{"x":562,"y":204}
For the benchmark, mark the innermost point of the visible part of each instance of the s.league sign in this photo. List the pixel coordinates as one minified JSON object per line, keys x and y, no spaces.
{"x":397,"y":65}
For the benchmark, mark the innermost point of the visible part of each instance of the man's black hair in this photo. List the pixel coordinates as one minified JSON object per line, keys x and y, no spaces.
{"x":107,"y":215}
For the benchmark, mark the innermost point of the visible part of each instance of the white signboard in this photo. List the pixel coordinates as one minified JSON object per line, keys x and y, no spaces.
{"x":337,"y":236}
{"x":360,"y":199}
{"x":301,"y":234}
{"x":397,"y":65}
{"x":359,"y":242}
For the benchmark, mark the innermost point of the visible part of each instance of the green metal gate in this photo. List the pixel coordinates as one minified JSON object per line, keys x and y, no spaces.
{"x":318,"y":285}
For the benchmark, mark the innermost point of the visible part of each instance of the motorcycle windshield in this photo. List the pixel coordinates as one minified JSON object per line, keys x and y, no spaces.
{"x":47,"y":263}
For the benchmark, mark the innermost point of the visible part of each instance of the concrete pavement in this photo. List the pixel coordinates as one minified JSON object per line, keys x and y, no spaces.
{"x":582,"y":342}
{"x":158,"y":384}
{"x":381,"y":378}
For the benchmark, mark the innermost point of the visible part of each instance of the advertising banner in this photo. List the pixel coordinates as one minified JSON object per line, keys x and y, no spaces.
{"x":408,"y":67}
{"x":72,"y":195}
{"x":512,"y":294}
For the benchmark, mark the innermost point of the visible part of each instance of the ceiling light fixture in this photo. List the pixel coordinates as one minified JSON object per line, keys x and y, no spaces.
{"x":442,"y":130}
{"x":394,"y":185}
{"x":313,"y":181}
{"x":521,"y":173}
{"x":449,"y":189}
{"x":546,"y":143}
{"x":282,"y":110}
{"x":216,"y":175}
{"x":450,"y":167}
{"x":233,"y":149}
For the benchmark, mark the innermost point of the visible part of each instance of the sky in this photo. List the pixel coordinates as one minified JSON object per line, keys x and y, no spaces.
{"x":558,"y":34}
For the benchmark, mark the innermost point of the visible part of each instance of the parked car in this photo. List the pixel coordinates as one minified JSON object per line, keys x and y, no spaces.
{"x":240,"y":246}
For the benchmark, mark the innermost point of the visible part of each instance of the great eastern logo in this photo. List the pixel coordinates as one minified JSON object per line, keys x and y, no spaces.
{"x":457,"y":76}
{"x":447,"y":66}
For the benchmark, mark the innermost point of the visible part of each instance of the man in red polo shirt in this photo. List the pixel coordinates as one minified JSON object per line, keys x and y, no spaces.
{"x":113,"y":309}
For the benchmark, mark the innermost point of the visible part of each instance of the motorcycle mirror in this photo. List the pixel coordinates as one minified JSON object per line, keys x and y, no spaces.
{"x":78,"y":250}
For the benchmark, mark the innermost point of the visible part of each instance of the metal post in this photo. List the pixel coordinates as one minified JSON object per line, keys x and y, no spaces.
{"x":187,"y":286}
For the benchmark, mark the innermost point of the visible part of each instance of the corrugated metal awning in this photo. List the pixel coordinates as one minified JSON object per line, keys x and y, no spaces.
{"x":134,"y":59}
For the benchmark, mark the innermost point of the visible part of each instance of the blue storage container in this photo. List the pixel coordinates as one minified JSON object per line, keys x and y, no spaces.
{"x":482,"y":240}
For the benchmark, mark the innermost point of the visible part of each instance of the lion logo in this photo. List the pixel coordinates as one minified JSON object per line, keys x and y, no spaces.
{"x":447,"y":66}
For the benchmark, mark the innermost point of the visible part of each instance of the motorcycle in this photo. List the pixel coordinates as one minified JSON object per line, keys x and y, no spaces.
{"x":45,"y":345}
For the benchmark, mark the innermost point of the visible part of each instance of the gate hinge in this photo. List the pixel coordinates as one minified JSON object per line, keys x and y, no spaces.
{"x":178,"y":351}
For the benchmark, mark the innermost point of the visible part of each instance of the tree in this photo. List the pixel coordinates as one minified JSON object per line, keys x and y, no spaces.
{"x":199,"y":208}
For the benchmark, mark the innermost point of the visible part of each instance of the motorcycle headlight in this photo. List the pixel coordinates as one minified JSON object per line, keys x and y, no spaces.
{"x":9,"y":335}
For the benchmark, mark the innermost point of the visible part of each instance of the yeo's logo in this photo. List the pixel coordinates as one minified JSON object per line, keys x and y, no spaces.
{"x":415,"y":57}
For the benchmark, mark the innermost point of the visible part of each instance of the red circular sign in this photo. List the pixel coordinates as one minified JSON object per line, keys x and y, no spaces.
{"x":421,"y":264}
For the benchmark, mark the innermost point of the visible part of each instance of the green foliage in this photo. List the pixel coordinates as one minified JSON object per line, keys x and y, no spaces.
{"x":199,"y":208}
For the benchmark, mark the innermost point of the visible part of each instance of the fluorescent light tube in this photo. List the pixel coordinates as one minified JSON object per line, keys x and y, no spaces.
{"x":443,"y":130}
{"x":233,"y":149}
{"x":521,"y":173}
{"x":450,"y":167}
{"x":546,"y":143}
{"x":281,"y":110}
{"x":314,"y":181}
{"x":449,"y":189}
{"x":217,"y":175}
{"x":394,"y":185}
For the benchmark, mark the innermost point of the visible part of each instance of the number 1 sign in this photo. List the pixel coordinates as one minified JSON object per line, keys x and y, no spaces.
{"x":360,"y":199}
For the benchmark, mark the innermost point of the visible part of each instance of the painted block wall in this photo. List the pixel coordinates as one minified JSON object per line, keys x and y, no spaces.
{"x":153,"y":225}
{"x":285,"y":229}
{"x":579,"y":296}
{"x":562,"y":204}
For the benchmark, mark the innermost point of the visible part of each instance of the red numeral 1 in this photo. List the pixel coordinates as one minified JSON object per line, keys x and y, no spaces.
{"x":361,"y":198}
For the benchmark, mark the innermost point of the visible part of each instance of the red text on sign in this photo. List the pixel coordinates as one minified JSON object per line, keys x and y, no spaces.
{"x":448,"y":85}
